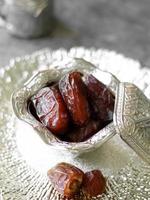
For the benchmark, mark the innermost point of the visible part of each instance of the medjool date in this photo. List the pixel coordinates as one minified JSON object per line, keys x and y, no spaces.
{"x":73,"y":91}
{"x":66,"y":179}
{"x":101,"y":98}
{"x":51,"y":109}
{"x":94,"y":183}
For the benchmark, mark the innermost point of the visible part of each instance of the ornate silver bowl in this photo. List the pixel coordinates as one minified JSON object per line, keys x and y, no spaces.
{"x":131,"y":118}
{"x":25,"y":158}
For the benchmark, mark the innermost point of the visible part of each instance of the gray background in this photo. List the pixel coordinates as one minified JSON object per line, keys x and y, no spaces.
{"x":120,"y":25}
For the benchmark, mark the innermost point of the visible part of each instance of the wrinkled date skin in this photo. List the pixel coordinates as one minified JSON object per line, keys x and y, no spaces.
{"x":73,"y":91}
{"x":66,"y":179}
{"x":51,"y":109}
{"x":101,"y":97}
{"x":94,"y":183}
{"x":81,"y":134}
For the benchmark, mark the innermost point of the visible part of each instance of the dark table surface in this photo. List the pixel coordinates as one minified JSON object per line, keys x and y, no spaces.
{"x":120,"y":25}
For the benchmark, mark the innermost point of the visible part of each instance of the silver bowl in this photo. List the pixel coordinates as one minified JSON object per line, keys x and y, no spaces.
{"x":131,"y":118}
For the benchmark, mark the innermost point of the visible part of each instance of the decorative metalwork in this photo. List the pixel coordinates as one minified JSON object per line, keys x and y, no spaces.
{"x":128,"y":176}
{"x":132,"y":118}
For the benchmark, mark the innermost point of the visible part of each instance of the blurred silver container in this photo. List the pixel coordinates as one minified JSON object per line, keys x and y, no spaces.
{"x":28,"y":18}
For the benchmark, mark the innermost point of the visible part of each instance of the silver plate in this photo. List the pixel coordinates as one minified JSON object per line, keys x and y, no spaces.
{"x":128,"y":176}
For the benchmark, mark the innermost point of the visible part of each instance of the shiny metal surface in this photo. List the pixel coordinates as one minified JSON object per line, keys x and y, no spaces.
{"x":132,"y":118}
{"x":20,"y":181}
{"x":33,"y":6}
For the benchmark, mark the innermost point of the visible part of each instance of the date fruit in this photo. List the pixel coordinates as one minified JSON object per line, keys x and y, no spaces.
{"x":81,"y":134}
{"x":51,"y":109}
{"x":74,"y":94}
{"x":101,"y":97}
{"x":94,"y":183}
{"x":66,"y":179}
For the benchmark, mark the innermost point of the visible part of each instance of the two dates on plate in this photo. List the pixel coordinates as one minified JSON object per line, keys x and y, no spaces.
{"x":75,"y":108}
{"x":69,"y":181}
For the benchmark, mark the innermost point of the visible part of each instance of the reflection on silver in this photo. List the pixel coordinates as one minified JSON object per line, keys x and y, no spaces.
{"x":1,"y":197}
{"x":33,"y":6}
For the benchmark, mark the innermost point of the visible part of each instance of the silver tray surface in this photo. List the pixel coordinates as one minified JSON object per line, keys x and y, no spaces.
{"x":19,"y":180}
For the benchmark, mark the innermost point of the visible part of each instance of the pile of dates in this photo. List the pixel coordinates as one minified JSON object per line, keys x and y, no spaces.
{"x":75,"y":108}
{"x":69,"y":181}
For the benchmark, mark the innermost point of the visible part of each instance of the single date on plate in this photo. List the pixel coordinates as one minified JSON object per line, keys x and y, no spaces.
{"x":94,"y":183}
{"x":66,"y":179}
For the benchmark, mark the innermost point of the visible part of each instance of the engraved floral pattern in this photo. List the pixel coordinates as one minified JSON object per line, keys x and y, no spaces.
{"x":133,"y":108}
